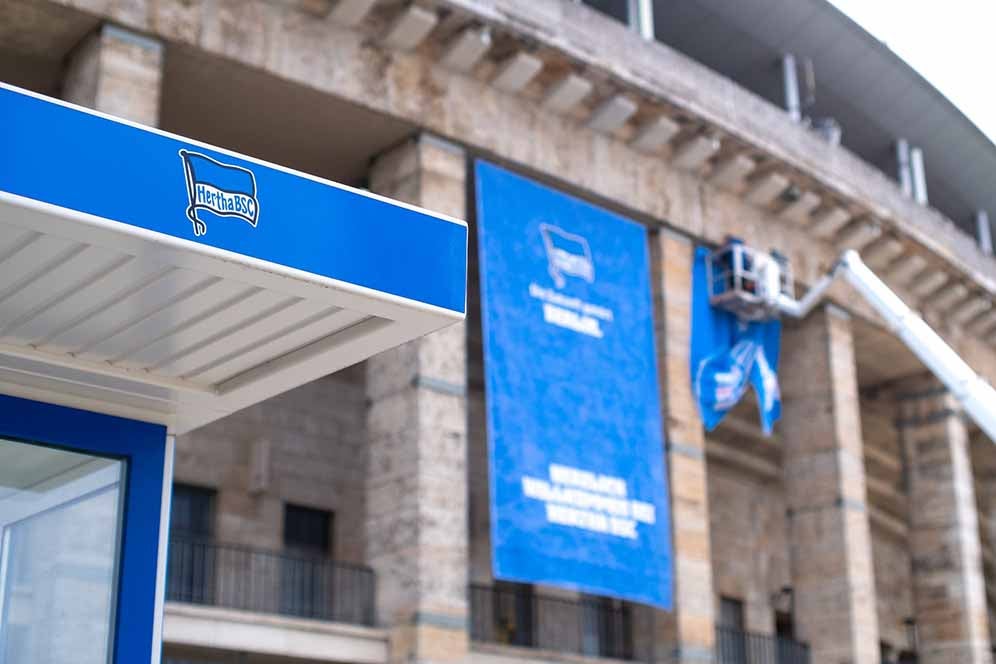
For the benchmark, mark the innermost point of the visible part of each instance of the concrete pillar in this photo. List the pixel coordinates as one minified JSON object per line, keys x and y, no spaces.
{"x":118,"y":72}
{"x":948,"y":585}
{"x":417,"y":426}
{"x":687,"y":634}
{"x":829,"y":538}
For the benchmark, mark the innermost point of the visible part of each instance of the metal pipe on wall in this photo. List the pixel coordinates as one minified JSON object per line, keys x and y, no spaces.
{"x":903,"y":173}
{"x":790,"y":84}
{"x":984,"y":232}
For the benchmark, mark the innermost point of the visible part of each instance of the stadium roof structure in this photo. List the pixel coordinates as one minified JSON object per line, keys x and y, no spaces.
{"x":873,"y":93}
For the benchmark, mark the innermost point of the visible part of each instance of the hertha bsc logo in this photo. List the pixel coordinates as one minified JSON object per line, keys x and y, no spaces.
{"x":214,"y":188}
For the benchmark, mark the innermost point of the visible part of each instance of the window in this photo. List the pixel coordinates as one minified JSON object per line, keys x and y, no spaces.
{"x":731,"y":613}
{"x":60,"y":525}
{"x":192,"y":553}
{"x":515,"y":620}
{"x":192,"y":511}
{"x":732,"y":639}
{"x":307,"y":530}
{"x":606,"y":627}
{"x":307,"y":582}
{"x":784,"y":625}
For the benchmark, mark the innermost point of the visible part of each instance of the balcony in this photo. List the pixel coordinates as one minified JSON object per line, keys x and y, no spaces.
{"x":234,"y":577}
{"x":591,"y":626}
{"x":734,"y":646}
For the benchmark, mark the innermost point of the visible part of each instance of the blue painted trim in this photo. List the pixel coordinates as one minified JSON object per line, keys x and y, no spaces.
{"x":81,"y":161}
{"x":143,"y":447}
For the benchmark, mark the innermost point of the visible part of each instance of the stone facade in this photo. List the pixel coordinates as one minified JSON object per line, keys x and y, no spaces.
{"x":949,"y":589}
{"x":317,"y":456}
{"x":856,"y":526}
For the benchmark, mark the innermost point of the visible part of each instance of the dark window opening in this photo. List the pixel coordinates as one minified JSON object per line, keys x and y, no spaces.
{"x":307,"y":530}
{"x":784,"y":626}
{"x":307,"y":582}
{"x":732,"y":638}
{"x":515,"y":618}
{"x":731,"y":613}
{"x":606,"y":627}
{"x":192,"y":511}
{"x":191,"y":576}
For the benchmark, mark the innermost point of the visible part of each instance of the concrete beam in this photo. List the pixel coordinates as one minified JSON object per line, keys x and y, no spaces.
{"x":693,"y":153}
{"x":858,"y":235}
{"x":798,"y":211}
{"x":882,"y":252}
{"x":655,"y":134}
{"x":928,"y":282}
{"x":827,"y":222}
{"x":948,"y":297}
{"x":970,"y":309}
{"x":983,"y":324}
{"x":410,"y":28}
{"x":764,"y":189}
{"x":730,"y":172}
{"x":516,"y":72}
{"x":612,"y":114}
{"x":350,"y":13}
{"x":466,"y":49}
{"x":906,"y":268}
{"x":567,"y":93}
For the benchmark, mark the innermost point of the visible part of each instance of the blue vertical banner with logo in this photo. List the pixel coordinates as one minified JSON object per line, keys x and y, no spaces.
{"x":728,"y":356}
{"x":579,"y":495}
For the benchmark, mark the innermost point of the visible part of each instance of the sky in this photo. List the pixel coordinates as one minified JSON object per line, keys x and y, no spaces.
{"x":950,"y":42}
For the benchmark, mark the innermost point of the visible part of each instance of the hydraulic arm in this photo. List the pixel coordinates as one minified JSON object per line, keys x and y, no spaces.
{"x":977,"y":397}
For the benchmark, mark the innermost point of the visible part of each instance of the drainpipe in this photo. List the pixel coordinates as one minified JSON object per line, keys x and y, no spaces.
{"x":641,"y":18}
{"x":903,"y":173}
{"x":985,"y":232}
{"x":919,"y":176}
{"x":790,"y":84}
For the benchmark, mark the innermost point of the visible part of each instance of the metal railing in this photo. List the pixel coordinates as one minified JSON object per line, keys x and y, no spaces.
{"x":205,"y":572}
{"x":517,"y":617}
{"x":734,"y":646}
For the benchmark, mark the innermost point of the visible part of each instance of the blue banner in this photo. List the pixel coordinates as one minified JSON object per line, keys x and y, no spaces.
{"x":91,"y":164}
{"x":728,"y":356}
{"x":579,"y":495}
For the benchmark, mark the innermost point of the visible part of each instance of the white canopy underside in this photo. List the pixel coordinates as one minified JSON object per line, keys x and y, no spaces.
{"x":109,"y":317}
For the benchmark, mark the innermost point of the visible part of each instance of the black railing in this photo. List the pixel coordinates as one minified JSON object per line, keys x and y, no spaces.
{"x":588,"y":626}
{"x":734,"y":646}
{"x":235,"y":577}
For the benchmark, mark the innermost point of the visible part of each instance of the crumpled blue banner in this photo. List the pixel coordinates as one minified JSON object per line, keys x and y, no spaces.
{"x":728,"y":356}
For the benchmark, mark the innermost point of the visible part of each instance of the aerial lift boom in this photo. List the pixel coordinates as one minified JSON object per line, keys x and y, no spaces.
{"x":758,"y":286}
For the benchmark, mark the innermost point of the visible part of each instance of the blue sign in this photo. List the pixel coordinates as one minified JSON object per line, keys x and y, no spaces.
{"x":579,"y":495}
{"x":728,"y":356}
{"x":91,"y":164}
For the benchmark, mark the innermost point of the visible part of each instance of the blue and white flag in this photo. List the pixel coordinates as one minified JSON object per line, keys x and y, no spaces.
{"x":218,"y":189}
{"x":579,"y":485}
{"x":728,"y":356}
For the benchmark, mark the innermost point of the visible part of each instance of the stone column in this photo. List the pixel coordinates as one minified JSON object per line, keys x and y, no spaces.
{"x":417,"y":426}
{"x":686,"y":634}
{"x":830,"y":542}
{"x":118,"y":72}
{"x":948,"y":584}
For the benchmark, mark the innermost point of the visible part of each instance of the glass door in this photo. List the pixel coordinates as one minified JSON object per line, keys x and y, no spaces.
{"x":82,"y":535}
{"x":60,"y":523}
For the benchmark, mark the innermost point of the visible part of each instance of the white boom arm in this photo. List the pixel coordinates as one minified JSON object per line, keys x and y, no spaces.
{"x":976,"y":396}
